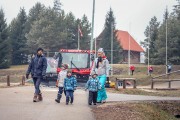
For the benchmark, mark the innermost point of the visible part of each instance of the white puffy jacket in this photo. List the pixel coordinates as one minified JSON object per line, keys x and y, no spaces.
{"x":62,"y":74}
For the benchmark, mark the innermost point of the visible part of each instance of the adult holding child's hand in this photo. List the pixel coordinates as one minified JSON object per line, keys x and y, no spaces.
{"x":101,"y":67}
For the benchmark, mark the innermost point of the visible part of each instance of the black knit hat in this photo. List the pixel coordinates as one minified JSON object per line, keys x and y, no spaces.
{"x":40,"y":49}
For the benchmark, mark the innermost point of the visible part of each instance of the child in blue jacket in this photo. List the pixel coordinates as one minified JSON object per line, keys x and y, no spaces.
{"x":70,"y":85}
{"x":93,"y":85}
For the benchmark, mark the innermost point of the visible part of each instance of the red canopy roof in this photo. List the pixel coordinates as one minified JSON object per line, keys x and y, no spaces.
{"x":123,"y":37}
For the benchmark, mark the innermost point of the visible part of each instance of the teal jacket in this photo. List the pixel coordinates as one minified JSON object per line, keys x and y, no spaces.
{"x":93,"y":85}
{"x":70,"y":83}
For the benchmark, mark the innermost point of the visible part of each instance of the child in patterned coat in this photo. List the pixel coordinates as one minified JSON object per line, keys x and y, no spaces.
{"x":70,"y":84}
{"x":93,"y":85}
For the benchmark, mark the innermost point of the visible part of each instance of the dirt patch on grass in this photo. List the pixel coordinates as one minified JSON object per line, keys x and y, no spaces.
{"x":161,"y":110}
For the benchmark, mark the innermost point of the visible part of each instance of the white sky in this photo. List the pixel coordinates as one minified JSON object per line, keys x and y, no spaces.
{"x":131,"y":15}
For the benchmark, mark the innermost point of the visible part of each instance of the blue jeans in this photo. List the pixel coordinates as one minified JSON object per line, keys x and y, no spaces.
{"x":37,"y":82}
{"x":61,"y":89}
{"x":69,"y":94}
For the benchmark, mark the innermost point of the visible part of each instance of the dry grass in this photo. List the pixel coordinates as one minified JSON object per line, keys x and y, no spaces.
{"x":162,"y":110}
{"x":15,"y":73}
{"x":140,"y":73}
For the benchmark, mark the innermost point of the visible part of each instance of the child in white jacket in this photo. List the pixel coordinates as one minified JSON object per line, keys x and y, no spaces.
{"x":60,"y":82}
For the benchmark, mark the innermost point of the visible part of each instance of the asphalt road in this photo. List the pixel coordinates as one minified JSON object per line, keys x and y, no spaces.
{"x":16,"y":104}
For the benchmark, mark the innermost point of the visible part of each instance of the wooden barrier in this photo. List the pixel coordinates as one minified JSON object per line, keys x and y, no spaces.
{"x":163,"y":80}
{"x":23,"y":80}
{"x":8,"y":80}
{"x":124,"y":80}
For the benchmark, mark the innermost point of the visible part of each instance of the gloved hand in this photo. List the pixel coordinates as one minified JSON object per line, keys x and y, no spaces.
{"x":27,"y":76}
{"x":74,"y":88}
{"x":44,"y":77}
{"x":107,"y":79}
{"x":57,"y":83}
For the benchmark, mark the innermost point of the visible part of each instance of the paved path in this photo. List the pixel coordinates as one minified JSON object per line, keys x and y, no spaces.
{"x":16,"y":104}
{"x":114,"y":97}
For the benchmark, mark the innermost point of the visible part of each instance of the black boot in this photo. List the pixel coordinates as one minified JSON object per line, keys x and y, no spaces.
{"x":67,"y":100}
{"x":58,"y":98}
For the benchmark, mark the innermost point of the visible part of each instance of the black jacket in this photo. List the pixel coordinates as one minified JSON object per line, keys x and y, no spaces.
{"x":38,"y":66}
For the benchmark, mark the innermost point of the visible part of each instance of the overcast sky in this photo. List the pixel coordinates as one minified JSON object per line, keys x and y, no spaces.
{"x":131,"y":15}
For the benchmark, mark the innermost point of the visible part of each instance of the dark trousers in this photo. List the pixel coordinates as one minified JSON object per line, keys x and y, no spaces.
{"x":132,"y":71}
{"x":69,"y":94}
{"x":92,"y":97}
{"x":59,"y":95}
{"x":37,"y":82}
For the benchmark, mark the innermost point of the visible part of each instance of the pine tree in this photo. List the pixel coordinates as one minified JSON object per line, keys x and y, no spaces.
{"x":34,"y":15}
{"x":151,"y":33}
{"x":57,"y":6}
{"x":105,"y":43}
{"x":45,"y":32}
{"x":5,"y":49}
{"x":18,"y":39}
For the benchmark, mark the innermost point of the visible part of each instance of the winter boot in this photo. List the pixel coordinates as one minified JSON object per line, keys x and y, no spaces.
{"x":35,"y":98}
{"x":40,"y":98}
{"x":58,"y":98}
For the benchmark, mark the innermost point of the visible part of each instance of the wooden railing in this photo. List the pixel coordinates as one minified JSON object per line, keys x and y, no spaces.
{"x":155,"y":79}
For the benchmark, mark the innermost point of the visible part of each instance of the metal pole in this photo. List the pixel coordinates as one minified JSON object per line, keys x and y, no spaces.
{"x":129,"y":51}
{"x":95,"y":48}
{"x":112,"y":48}
{"x":92,"y":30}
{"x":148,"y":47}
{"x":166,"y":42}
{"x":78,"y":37}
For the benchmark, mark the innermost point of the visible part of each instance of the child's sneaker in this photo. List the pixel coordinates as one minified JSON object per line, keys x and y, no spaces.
{"x":90,"y":104}
{"x":94,"y":103}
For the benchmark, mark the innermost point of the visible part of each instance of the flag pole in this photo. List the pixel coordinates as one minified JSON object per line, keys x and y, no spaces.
{"x":92,"y":30}
{"x":129,"y":51}
{"x":78,"y":36}
{"x":166,"y":40}
{"x":112,"y":48}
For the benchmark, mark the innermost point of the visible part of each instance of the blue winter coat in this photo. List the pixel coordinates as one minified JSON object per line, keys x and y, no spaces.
{"x":38,"y":66}
{"x":93,"y":84}
{"x":70,"y":83}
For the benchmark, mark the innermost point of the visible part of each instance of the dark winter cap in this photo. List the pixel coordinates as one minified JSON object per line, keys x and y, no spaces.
{"x":40,"y":49}
{"x":65,"y":66}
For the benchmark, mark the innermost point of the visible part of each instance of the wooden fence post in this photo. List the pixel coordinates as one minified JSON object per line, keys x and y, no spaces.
{"x":134,"y":84}
{"x":8,"y":80}
{"x":124,"y":84}
{"x":23,"y":80}
{"x":152,"y":84}
{"x":169,"y":84}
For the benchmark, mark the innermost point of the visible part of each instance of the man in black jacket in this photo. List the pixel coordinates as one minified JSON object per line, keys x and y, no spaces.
{"x":37,"y":68}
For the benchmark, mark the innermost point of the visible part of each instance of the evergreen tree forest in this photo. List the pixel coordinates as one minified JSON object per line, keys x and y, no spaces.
{"x":46,"y":27}
{"x":156,"y":35}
